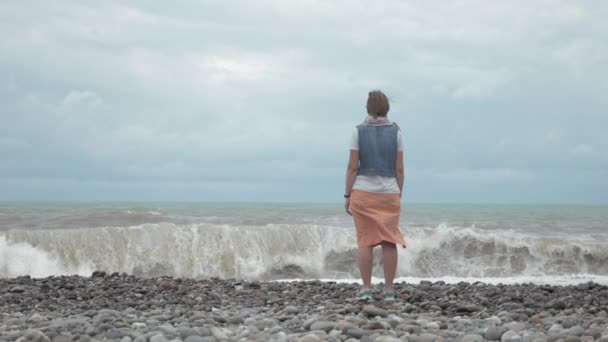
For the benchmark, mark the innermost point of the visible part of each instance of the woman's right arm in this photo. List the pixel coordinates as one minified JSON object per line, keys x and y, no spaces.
{"x":351,"y":175}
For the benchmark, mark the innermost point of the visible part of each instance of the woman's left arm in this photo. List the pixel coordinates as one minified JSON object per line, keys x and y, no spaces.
{"x":351,"y":174}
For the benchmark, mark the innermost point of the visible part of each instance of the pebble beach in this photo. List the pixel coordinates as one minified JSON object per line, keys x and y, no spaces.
{"x":123,"y":308}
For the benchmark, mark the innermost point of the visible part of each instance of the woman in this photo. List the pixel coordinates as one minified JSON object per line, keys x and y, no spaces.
{"x":374,"y":183}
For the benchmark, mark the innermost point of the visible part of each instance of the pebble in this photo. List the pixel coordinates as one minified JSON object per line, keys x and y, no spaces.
{"x":218,"y":333}
{"x":510,"y":336}
{"x":309,"y":338}
{"x":194,"y":339}
{"x":495,"y":333}
{"x":426,"y":338}
{"x":386,"y":339}
{"x":576,"y":331}
{"x":375,"y":311}
{"x":158,"y":338}
{"x":322,"y":325}
{"x":129,"y":309}
{"x":33,"y":336}
{"x":432,"y":326}
{"x":357,"y":332}
{"x":472,"y":338}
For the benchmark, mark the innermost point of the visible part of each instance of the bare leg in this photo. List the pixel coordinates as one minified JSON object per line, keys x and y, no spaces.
{"x":366,"y":258}
{"x":389,"y":254}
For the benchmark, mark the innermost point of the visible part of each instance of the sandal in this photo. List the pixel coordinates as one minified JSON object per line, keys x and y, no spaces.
{"x":365,"y":294}
{"x":389,"y":296}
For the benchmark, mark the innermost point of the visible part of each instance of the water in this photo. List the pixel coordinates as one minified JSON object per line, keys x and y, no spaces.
{"x":494,"y":244}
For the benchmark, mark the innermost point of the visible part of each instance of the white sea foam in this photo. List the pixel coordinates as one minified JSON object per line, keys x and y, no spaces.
{"x":278,"y":251}
{"x":23,"y":259}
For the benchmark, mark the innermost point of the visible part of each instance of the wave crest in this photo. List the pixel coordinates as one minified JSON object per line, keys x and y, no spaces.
{"x":287,"y":252}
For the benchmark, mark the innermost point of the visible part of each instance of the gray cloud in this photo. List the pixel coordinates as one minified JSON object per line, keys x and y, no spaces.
{"x":256,"y":100}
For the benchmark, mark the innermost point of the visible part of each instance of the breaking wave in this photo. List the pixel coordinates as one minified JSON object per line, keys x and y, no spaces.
{"x":288,"y":252}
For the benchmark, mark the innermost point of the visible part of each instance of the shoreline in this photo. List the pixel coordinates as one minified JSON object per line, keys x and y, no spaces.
{"x":125,"y":308}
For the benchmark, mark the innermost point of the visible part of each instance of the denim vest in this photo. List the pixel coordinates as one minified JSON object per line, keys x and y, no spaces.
{"x":377,"y":149}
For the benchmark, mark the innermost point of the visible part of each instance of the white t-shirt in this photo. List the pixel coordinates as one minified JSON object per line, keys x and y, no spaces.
{"x":375,"y":183}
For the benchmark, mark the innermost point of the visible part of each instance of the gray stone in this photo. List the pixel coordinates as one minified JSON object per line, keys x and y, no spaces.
{"x":472,"y":338}
{"x":323,"y":325}
{"x":516,"y":326}
{"x":204,"y":331}
{"x":493,"y":320}
{"x":160,"y":318}
{"x":386,"y":339}
{"x":115,"y":334}
{"x":307,"y":323}
{"x":576,"y":331}
{"x":139,"y":325}
{"x":140,"y":339}
{"x":357,"y":333}
{"x":36,"y":317}
{"x":17,"y":289}
{"x":432,"y":326}
{"x":184,"y":332}
{"x":409,"y":328}
{"x":235,"y":320}
{"x":375,"y":311}
{"x":279,"y":337}
{"x":266,"y":323}
{"x":309,"y":338}
{"x":208,"y":339}
{"x":158,"y":338}
{"x":12,"y":335}
{"x":495,"y":333}
{"x":62,"y":338}
{"x":126,"y":339}
{"x":510,"y":336}
{"x":292,"y":310}
{"x":33,"y":336}
{"x":218,"y":333}
{"x":555,"y":328}
{"x":469,"y":308}
{"x":108,"y":312}
{"x":426,"y":338}
{"x":193,"y":338}
{"x":596,"y":333}
{"x":571,"y":338}
{"x":529,"y":336}
{"x":569,"y":323}
{"x":167,"y":329}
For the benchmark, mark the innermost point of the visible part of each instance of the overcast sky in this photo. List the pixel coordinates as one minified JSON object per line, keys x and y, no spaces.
{"x":239,"y":100}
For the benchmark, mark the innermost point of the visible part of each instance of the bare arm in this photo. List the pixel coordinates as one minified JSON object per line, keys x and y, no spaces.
{"x":351,"y":174}
{"x":351,"y":170}
{"x":400,"y":171}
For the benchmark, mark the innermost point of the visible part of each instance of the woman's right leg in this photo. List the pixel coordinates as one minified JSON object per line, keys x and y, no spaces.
{"x":389,"y":251}
{"x":366,"y":259}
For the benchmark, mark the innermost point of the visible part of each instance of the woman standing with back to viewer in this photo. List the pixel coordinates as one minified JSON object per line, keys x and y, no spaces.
{"x":374,"y":184}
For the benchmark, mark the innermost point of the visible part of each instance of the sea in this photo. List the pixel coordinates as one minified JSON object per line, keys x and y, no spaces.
{"x":540,"y":244}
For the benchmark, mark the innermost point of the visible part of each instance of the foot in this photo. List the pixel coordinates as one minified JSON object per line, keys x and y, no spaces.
{"x":365,"y":294}
{"x":389,"y":295}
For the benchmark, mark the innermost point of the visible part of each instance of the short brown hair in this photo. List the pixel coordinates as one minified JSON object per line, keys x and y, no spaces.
{"x":377,"y":103}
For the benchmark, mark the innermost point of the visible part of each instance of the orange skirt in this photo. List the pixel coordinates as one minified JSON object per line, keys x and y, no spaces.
{"x":376,"y":218}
